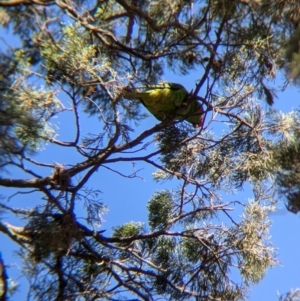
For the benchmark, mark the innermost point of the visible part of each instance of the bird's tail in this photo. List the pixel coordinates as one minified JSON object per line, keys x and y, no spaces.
{"x":133,"y":94}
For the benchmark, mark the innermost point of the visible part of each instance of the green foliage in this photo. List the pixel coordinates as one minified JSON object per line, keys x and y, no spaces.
{"x":286,"y":159}
{"x":253,"y":231}
{"x":4,"y":17}
{"x":24,"y":110}
{"x":50,"y":235}
{"x":127,"y":230}
{"x":160,"y":210}
{"x":173,"y":147}
{"x":292,"y":55}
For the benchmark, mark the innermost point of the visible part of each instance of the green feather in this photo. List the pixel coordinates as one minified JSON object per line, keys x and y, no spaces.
{"x":193,"y":113}
{"x":168,"y":99}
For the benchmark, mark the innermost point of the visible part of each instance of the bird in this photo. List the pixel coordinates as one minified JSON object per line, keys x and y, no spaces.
{"x":169,"y":100}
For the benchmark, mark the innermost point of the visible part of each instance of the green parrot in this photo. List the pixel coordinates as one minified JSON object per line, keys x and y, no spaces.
{"x":169,"y":99}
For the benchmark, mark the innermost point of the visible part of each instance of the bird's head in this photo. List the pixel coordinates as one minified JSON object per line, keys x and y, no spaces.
{"x":197,"y":117}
